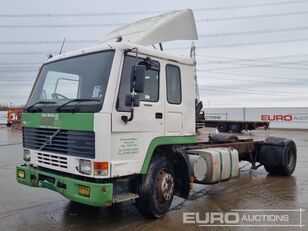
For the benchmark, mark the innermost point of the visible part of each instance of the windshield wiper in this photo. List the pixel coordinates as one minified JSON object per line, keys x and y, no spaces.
{"x":75,"y":100}
{"x":28,"y":109}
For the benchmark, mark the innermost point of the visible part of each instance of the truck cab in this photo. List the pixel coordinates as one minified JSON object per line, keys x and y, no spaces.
{"x":83,"y":99}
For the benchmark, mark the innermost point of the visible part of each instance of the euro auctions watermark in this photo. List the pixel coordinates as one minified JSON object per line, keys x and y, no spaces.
{"x":247,"y":218}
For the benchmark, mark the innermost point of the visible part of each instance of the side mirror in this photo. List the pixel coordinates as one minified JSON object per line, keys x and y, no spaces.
{"x":132,"y":100}
{"x":136,"y":86}
{"x":128,"y":100}
{"x":138,"y":74}
{"x":136,"y":101}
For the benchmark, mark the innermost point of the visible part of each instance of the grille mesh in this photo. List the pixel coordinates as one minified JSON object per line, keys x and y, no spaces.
{"x":53,"y":160}
{"x":67,"y":142}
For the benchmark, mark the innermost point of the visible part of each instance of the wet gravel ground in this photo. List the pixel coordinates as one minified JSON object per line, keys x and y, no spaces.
{"x":25,"y":208}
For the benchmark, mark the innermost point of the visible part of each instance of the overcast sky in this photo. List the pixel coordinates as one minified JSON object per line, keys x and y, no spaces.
{"x":249,"y":53}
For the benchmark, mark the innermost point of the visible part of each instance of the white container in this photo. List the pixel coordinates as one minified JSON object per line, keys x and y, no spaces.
{"x":279,"y":117}
{"x":213,"y":165}
{"x":288,"y":117}
{"x":224,"y":114}
{"x":3,"y":117}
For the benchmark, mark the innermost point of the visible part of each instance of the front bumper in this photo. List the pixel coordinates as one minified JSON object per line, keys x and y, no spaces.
{"x":100,"y":194}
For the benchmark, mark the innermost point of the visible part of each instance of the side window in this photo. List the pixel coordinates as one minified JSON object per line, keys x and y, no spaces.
{"x":151,"y":84}
{"x":173,"y":77}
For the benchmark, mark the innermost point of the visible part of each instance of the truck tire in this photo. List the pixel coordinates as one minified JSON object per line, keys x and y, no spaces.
{"x":235,"y":127}
{"x":287,"y":168}
{"x":251,"y":127}
{"x":156,"y":190}
{"x":222,"y":127}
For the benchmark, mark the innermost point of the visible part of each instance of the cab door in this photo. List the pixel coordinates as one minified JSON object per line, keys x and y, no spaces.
{"x":131,"y":140}
{"x":148,"y":117}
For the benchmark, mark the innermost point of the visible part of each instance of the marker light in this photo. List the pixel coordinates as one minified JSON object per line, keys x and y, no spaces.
{"x":21,"y":174}
{"x":84,"y":191}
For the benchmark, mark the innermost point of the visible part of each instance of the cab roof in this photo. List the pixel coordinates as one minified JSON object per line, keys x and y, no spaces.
{"x":124,"y":47}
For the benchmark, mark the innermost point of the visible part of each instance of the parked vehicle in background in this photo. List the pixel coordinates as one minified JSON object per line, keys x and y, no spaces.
{"x":241,"y":118}
{"x":229,"y":119}
{"x":14,"y":117}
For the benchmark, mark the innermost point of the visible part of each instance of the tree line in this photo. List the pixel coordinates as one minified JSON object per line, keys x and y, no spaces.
{"x":4,"y":107}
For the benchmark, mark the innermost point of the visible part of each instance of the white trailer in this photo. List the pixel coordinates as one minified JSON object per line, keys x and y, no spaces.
{"x":277,"y":117}
{"x":230,"y":119}
{"x":281,"y":117}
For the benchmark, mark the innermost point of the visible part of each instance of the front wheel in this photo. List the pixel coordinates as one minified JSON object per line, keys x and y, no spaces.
{"x":156,"y":189}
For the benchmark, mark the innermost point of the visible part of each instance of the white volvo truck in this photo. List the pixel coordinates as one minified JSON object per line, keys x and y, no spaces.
{"x":116,"y":122}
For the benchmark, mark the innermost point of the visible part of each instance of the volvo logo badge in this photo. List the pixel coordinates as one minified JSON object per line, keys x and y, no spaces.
{"x":49,"y":140}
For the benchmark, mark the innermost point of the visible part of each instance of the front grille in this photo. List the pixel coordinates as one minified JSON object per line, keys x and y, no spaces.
{"x":53,"y":160}
{"x":67,"y":142}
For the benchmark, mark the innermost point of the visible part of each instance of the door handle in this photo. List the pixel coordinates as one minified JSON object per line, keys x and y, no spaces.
{"x":158,"y":115}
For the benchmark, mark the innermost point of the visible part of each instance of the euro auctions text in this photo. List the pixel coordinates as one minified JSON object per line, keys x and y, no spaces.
{"x":247,"y":217}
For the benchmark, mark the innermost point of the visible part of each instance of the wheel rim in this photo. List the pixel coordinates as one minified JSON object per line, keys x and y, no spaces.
{"x":291,"y":159}
{"x":234,"y":128}
{"x":222,"y":128}
{"x":165,"y":186}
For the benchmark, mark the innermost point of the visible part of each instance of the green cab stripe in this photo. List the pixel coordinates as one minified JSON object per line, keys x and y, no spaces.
{"x":67,"y":121}
{"x":164,"y":141}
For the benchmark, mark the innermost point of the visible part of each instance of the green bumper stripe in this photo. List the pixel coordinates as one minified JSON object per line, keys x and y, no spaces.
{"x":100,"y":194}
{"x":164,"y":141}
{"x":67,"y":121}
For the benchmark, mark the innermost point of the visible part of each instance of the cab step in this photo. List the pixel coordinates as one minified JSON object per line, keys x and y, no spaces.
{"x":124,"y":197}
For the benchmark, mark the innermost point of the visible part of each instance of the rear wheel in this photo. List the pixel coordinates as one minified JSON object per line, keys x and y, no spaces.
{"x":288,"y":167}
{"x":223,"y":127}
{"x":157,"y":189}
{"x":235,"y":127}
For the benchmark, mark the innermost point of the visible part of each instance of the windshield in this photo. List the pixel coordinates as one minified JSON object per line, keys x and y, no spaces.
{"x":82,"y":80}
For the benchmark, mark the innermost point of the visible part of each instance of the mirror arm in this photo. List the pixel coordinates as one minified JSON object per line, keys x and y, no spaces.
{"x":134,"y":49}
{"x":125,"y":118}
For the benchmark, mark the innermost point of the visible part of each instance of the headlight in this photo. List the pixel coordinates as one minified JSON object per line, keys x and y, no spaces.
{"x":26,"y":155}
{"x":85,"y":166}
